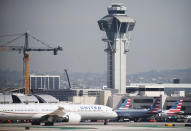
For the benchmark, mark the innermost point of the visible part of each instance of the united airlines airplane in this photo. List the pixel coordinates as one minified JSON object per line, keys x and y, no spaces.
{"x":174,"y":110}
{"x":125,"y":112}
{"x":48,"y":113}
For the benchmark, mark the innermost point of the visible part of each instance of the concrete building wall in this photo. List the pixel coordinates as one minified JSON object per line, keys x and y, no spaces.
{"x":163,"y":99}
{"x":84,"y":99}
{"x":104,"y":97}
{"x":119,"y":64}
{"x":115,"y":100}
{"x":154,"y":93}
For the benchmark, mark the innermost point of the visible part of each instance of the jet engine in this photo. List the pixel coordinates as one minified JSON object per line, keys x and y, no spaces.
{"x":159,"y":114}
{"x":73,"y":118}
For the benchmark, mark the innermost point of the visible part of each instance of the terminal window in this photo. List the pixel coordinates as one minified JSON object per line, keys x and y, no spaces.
{"x":143,"y":100}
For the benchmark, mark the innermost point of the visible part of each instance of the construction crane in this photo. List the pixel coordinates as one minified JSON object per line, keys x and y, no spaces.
{"x":26,"y":61}
{"x":68,"y":79}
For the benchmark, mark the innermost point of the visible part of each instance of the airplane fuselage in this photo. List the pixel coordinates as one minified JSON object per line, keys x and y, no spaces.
{"x":133,"y":113}
{"x":167,"y":114}
{"x":36,"y":111}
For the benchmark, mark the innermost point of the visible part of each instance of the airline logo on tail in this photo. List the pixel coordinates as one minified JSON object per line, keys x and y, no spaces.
{"x":156,"y":106}
{"x":126,"y":103}
{"x":176,"y":108}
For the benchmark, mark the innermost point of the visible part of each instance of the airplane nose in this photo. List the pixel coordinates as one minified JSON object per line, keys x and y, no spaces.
{"x":114,"y":114}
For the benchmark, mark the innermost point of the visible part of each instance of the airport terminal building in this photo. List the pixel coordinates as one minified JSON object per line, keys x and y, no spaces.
{"x":152,"y":89}
{"x":44,"y":82}
{"x":21,"y":98}
{"x":143,"y":95}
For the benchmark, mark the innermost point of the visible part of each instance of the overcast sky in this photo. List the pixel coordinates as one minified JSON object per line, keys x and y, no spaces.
{"x":161,"y":38}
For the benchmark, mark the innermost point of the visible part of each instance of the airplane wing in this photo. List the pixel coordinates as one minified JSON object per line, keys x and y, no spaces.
{"x":58,"y":113}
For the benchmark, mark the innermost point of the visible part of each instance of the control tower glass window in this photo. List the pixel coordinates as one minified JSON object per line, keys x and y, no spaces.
{"x":116,"y":12}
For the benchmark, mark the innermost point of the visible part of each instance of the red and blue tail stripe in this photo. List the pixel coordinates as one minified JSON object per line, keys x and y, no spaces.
{"x":176,"y":108}
{"x":126,"y":103}
{"x":156,"y":106}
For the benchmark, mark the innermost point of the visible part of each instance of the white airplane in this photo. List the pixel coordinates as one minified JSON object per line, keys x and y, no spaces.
{"x":188,"y":118}
{"x":174,"y":110}
{"x":48,"y":113}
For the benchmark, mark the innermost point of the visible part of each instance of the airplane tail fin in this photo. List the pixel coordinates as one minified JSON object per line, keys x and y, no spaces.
{"x":126,"y":103}
{"x":176,"y":108}
{"x":156,"y":106}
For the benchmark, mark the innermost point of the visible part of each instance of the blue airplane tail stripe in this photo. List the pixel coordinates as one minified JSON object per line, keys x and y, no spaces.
{"x":156,"y":105}
{"x":126,"y":103}
{"x":177,"y":105}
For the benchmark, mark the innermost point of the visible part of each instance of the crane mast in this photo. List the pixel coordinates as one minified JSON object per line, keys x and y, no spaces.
{"x":26,"y":72}
{"x":68,"y":79}
{"x":26,"y":67}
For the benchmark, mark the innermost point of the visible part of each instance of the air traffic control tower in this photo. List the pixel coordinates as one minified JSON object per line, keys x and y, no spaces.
{"x":117,"y":26}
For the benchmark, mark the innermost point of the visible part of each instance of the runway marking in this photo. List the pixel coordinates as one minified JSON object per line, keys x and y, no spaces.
{"x":63,"y":128}
{"x":53,"y":127}
{"x":157,"y":126}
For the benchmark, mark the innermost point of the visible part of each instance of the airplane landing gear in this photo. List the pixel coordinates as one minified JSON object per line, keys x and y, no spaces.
{"x":49,"y":123}
{"x":35,"y":123}
{"x":105,"y":122}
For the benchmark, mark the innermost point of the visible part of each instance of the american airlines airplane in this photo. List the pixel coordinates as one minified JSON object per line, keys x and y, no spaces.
{"x":126,"y":104}
{"x":174,"y":110}
{"x":125,"y":112}
{"x":48,"y":113}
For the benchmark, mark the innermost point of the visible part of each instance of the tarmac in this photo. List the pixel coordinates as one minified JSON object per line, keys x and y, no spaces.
{"x":98,"y":126}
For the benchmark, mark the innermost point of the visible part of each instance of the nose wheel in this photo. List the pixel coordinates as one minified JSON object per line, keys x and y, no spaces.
{"x":49,"y":123}
{"x":105,"y":122}
{"x":35,"y":123}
